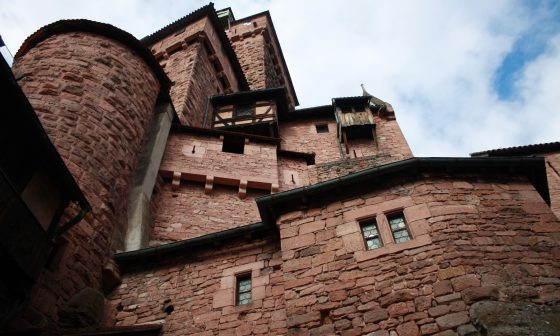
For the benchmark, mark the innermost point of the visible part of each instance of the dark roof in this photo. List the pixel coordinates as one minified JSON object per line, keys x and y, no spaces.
{"x":210,"y":12}
{"x":282,"y":59}
{"x":98,"y":28}
{"x":351,"y":100}
{"x":309,"y":113}
{"x":19,"y":120}
{"x":520,"y":150}
{"x":214,"y":131}
{"x":272,"y":206}
{"x":151,"y":256}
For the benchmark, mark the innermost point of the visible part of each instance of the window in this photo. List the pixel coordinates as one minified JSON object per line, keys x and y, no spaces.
{"x":244,"y":110}
{"x":322,"y":128}
{"x":233,"y":145}
{"x":243,"y":289}
{"x":371,"y":234}
{"x":398,"y":227}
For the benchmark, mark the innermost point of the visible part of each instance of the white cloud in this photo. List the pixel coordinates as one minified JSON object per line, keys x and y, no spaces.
{"x":433,"y":60}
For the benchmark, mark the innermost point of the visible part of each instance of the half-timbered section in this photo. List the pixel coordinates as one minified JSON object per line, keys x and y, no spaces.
{"x":253,"y":112}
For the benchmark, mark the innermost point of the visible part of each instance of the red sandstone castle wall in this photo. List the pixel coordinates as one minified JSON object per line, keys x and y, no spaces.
{"x":201,"y":291}
{"x":302,"y":136}
{"x":259,"y":54}
{"x":474,"y":239}
{"x":292,"y":173}
{"x":188,"y":211}
{"x":258,"y":163}
{"x":186,"y":58}
{"x":94,"y":98}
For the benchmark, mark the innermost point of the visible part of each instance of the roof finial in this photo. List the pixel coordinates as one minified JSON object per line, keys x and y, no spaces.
{"x":364,"y":92}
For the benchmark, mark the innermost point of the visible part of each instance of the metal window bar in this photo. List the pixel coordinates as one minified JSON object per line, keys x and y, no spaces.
{"x":399,"y":228}
{"x":243,"y":289}
{"x":370,"y":233}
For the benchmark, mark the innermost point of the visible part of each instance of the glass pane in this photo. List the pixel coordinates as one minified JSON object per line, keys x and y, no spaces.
{"x":397,"y":223}
{"x":243,"y":290}
{"x":373,"y":243}
{"x":401,"y":236}
{"x":370,"y":230}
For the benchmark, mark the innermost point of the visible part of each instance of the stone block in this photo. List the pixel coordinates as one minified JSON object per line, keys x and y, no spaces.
{"x":452,"y":320}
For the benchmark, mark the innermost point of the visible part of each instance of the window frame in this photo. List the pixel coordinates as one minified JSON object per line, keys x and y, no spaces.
{"x":397,"y":214}
{"x":238,"y":280}
{"x":366,"y":222}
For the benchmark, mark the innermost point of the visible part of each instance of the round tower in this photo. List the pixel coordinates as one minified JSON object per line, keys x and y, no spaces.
{"x":94,"y":88}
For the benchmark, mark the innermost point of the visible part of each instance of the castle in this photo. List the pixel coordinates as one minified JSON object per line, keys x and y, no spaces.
{"x":169,"y":186}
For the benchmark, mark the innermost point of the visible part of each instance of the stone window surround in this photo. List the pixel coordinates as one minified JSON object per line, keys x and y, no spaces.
{"x":225,"y":297}
{"x":415,"y":216}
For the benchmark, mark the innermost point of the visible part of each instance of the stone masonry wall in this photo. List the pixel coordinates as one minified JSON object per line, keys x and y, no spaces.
{"x":302,"y":136}
{"x":330,"y":170}
{"x":473,"y":239}
{"x":391,"y":139}
{"x":251,"y":54}
{"x":292,"y":173}
{"x":185,"y":57}
{"x":94,"y":98}
{"x":188,"y":212}
{"x":258,"y":163}
{"x":259,"y":54}
{"x":200,"y":286}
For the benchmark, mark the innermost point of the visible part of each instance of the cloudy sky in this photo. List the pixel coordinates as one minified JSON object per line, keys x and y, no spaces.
{"x":463,"y":76}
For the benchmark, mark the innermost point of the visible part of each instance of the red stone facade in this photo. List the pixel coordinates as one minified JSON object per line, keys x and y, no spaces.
{"x":194,"y":60}
{"x":259,"y":53}
{"x":468,"y":243}
{"x":201,"y":290}
{"x":216,"y":216}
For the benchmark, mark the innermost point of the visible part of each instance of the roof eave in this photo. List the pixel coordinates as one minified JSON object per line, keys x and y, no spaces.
{"x":198,"y":14}
{"x":350,"y":185}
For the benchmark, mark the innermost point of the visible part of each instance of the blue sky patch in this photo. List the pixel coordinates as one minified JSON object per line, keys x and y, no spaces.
{"x":529,"y":45}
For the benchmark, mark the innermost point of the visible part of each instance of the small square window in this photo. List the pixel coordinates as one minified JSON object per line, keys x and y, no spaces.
{"x":243,"y":290}
{"x":322,"y":128}
{"x":233,"y":145}
{"x":399,"y":228}
{"x":370,"y":232}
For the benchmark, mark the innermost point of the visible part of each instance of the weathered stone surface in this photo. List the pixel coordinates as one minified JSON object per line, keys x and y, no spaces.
{"x":515,"y":318}
{"x":83,"y":310}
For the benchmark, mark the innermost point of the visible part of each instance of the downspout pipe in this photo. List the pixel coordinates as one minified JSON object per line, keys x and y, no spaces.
{"x":73,"y":221}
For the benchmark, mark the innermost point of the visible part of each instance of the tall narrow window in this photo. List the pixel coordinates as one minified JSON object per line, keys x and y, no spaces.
{"x":371,"y":234}
{"x":243,"y":290}
{"x":398,"y":227}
